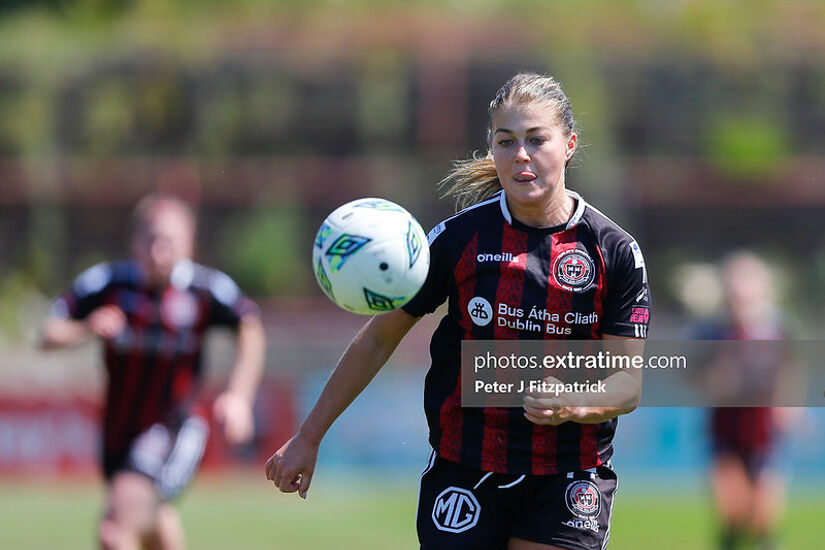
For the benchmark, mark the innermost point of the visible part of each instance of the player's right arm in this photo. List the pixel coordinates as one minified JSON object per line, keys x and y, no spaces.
{"x":81,"y":312}
{"x":106,"y":322}
{"x":292,"y":466}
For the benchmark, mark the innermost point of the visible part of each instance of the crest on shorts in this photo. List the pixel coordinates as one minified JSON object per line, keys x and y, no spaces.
{"x":583,"y":499}
{"x":574,"y":270}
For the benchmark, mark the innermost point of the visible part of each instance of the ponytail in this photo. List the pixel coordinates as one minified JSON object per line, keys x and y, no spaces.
{"x":471,"y":181}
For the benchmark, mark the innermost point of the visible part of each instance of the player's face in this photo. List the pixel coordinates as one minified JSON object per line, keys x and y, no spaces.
{"x":166,"y":239}
{"x":749,"y":287}
{"x":530,"y":151}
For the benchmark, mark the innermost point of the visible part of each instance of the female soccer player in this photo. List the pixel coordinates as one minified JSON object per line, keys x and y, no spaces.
{"x":747,"y":484}
{"x":537,"y":478}
{"x":151,"y":312}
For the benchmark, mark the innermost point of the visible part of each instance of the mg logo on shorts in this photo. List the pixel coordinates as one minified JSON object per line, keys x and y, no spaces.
{"x":456,"y":510}
{"x":480,"y":310}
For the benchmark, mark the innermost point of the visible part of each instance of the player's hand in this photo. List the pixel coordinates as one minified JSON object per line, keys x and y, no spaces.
{"x":549,"y":412}
{"x":107,"y":322}
{"x":292,"y":466}
{"x":538,"y":411}
{"x":552,"y":409}
{"x":548,"y":409}
{"x":234,"y":413}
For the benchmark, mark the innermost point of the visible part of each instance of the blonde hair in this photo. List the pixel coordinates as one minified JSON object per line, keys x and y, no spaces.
{"x":474,"y":180}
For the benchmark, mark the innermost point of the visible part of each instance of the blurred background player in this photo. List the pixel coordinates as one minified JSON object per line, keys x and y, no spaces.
{"x":151,"y":312}
{"x":536,"y":478}
{"x":747,"y":486}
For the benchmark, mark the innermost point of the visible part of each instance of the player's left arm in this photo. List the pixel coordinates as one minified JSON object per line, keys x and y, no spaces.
{"x":233,"y":407}
{"x":230,"y":307}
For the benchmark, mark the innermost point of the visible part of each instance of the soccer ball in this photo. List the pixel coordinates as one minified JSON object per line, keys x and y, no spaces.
{"x":370,"y":256}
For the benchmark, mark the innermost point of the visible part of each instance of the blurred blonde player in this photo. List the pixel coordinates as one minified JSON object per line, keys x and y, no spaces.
{"x":747,"y":486}
{"x":151,"y":313}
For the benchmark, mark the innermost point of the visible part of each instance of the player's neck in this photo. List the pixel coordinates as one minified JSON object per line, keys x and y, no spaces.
{"x":557,"y":212}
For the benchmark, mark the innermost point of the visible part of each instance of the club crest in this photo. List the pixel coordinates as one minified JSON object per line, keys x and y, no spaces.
{"x":574,"y":270}
{"x":583,"y":499}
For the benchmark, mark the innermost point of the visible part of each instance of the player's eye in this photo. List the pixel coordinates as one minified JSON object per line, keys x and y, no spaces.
{"x":505,"y":142}
{"x":538,"y":140}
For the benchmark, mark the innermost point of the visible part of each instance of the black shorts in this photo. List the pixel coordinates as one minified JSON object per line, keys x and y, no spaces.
{"x":461,"y":508}
{"x":168,"y":455}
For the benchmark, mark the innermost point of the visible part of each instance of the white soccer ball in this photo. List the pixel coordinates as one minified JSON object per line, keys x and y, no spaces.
{"x":370,"y":256}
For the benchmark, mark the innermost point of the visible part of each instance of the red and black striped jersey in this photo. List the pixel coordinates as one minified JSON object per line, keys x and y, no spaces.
{"x":154,"y":364}
{"x":506,"y":280}
{"x":748,"y":431}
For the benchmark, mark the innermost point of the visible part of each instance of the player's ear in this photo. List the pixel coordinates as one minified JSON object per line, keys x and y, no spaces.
{"x":572,"y":141}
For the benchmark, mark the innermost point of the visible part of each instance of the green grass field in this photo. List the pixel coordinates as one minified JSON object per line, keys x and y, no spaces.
{"x":242,"y":512}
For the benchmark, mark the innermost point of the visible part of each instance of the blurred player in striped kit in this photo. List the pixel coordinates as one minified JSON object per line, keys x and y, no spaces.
{"x":745,"y":441}
{"x":151,"y":313}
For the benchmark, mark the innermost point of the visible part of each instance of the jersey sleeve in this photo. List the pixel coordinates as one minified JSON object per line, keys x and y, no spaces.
{"x":86,"y":293}
{"x":228,"y":304}
{"x":437,"y":285}
{"x":628,"y":301}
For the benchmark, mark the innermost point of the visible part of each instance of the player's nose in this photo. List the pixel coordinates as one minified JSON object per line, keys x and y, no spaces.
{"x":522,"y":154}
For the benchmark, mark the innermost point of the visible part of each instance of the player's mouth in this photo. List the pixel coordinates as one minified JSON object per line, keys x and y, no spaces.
{"x":524,"y":177}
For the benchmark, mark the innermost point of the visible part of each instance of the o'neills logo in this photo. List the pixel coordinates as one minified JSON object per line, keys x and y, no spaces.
{"x":502,"y":257}
{"x":574,"y":270}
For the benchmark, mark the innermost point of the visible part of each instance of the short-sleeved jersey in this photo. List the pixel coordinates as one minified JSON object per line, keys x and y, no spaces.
{"x":154,"y":364}
{"x":506,"y":280}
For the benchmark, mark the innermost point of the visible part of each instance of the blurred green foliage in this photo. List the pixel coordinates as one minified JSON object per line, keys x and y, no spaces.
{"x":221,"y":78}
{"x":13,"y":290}
{"x":748,"y":148}
{"x":109,"y":118}
{"x":266,"y":251}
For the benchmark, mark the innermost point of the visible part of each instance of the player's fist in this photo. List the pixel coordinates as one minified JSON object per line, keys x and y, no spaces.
{"x":107,"y":322}
{"x":292,"y":466}
{"x":234,"y":413}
